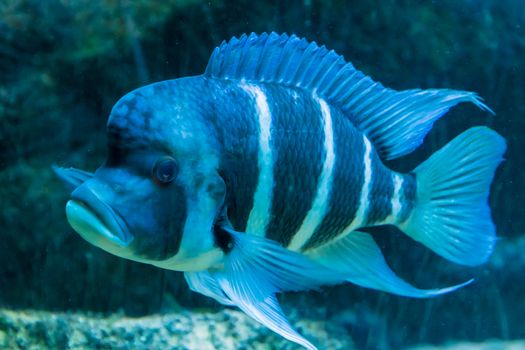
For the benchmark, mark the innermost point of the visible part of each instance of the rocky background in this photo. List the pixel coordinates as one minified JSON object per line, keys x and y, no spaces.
{"x":63,"y":64}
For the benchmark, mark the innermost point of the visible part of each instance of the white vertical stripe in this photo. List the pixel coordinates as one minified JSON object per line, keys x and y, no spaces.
{"x":360,"y":216}
{"x":262,"y":200}
{"x":324,"y":187}
{"x":396,"y":199}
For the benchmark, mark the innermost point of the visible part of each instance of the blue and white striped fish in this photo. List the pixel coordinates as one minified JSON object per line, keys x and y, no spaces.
{"x":257,"y":176}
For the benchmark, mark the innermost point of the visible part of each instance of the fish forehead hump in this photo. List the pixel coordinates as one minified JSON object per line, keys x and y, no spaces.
{"x":169,"y":115}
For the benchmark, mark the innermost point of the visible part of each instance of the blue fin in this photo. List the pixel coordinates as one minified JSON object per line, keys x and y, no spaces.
{"x":253,"y":272}
{"x":451,"y":214}
{"x":358,"y":256}
{"x":266,"y":311}
{"x":72,"y":177}
{"x":395,"y":121}
{"x":269,"y":268}
{"x":203,"y":282}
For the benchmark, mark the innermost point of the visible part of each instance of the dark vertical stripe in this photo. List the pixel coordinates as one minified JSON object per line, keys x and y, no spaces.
{"x":407,"y":197}
{"x":233,"y":118}
{"x":382,"y":190}
{"x":163,"y":240}
{"x":347,"y":182}
{"x":297,"y":136}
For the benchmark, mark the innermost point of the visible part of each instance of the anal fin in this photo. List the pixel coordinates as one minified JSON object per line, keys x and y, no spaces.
{"x":358,"y":257}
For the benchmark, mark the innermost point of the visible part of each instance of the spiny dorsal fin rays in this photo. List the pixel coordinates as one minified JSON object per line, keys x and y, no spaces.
{"x":395,"y":121}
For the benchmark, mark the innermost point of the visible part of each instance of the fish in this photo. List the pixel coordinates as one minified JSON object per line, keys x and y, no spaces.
{"x":258,"y":177}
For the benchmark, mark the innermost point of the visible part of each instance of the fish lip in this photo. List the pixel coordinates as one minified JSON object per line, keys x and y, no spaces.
{"x":100,"y":217}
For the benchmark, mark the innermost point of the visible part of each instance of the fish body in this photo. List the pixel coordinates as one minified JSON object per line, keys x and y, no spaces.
{"x":255,"y":177}
{"x":283,"y":190}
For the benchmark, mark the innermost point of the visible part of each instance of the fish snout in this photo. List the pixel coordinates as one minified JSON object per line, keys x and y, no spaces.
{"x":94,"y":219}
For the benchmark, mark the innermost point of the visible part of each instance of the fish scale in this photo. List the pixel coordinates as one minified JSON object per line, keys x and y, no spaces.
{"x":348,"y":180}
{"x":237,"y":146}
{"x":295,"y":128}
{"x":408,"y":196}
{"x":381,"y":193}
{"x":297,"y":143}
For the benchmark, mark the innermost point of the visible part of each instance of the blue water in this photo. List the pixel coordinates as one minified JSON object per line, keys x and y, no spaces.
{"x":63,"y":65}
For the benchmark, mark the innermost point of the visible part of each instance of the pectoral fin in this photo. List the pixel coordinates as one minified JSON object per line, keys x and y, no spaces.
{"x":266,"y":311}
{"x":205,"y":283}
{"x":254,"y":270}
{"x":72,"y":177}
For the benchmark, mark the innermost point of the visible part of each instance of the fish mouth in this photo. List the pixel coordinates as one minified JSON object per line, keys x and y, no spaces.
{"x":96,"y":221}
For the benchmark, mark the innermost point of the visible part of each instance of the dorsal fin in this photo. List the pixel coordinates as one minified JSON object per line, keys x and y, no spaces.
{"x":395,"y":121}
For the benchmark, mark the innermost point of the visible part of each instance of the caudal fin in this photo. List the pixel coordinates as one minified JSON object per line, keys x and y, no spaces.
{"x":451,"y":215}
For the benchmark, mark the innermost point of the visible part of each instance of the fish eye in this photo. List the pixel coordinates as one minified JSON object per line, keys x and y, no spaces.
{"x":165,"y":170}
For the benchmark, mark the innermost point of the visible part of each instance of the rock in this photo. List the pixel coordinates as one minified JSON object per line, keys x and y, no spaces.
{"x":487,"y":345}
{"x":227,"y":329}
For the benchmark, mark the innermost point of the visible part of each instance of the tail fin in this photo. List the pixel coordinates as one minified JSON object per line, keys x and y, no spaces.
{"x":451,"y":215}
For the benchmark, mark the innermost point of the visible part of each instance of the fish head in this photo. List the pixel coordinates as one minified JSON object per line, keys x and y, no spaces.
{"x":158,"y":195}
